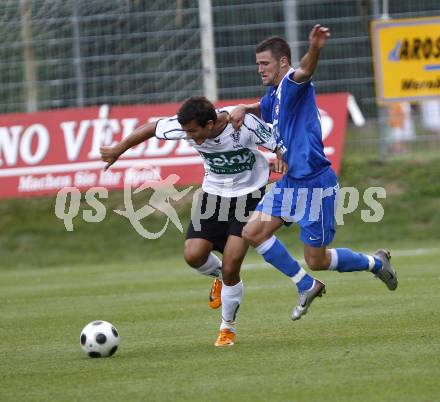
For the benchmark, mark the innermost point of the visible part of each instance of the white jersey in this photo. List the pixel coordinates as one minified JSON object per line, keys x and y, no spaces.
{"x":233,"y":164}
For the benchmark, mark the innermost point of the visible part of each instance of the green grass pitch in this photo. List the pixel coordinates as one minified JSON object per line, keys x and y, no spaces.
{"x":360,"y":342}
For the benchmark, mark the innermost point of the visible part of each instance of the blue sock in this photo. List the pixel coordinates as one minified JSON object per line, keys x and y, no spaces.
{"x":346,"y":260}
{"x":275,"y":253}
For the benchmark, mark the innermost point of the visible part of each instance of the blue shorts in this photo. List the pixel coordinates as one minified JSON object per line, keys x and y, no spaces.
{"x":310,"y":203}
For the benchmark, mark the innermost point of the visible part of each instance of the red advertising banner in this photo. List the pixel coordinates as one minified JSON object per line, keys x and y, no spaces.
{"x":42,"y":152}
{"x":333,"y":110}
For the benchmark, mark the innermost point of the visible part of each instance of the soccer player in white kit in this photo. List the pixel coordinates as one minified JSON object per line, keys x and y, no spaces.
{"x":236,"y":173}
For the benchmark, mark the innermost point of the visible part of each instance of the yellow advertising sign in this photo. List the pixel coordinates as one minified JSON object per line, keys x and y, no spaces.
{"x":406,"y":56}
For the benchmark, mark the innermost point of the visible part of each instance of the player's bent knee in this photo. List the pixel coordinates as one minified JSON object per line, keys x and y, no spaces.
{"x":193,"y":257}
{"x":315,"y":263}
{"x":193,"y":261}
{"x":250,"y":235}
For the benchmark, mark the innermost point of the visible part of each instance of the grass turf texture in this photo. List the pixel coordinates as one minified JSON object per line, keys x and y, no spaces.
{"x":359,"y":343}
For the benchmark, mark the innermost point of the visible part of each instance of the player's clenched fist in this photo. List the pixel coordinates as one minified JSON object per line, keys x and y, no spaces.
{"x":318,"y":36}
{"x":109,"y":155}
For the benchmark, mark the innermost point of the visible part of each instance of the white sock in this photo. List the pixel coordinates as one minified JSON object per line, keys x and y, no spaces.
{"x":298,"y":276}
{"x":333,"y":259}
{"x":231,"y":300}
{"x":212,"y":266}
{"x":266,"y":245}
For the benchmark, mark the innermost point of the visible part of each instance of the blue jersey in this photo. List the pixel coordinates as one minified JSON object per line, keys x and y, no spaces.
{"x":291,"y":108}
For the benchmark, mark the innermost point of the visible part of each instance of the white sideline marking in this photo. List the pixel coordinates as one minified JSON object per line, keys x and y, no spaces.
{"x":396,"y":253}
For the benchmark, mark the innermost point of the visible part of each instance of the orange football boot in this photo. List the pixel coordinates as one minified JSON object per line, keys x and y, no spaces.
{"x":215,"y":296}
{"x":225,"y":338}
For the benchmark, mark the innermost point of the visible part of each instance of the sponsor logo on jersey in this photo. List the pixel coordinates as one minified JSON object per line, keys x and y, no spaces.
{"x":229,"y":162}
{"x":263,"y":134}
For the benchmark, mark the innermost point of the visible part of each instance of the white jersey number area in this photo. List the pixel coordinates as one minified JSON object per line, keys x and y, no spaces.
{"x":233,"y":164}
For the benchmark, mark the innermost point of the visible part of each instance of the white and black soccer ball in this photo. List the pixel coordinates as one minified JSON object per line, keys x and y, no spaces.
{"x":99,"y":339}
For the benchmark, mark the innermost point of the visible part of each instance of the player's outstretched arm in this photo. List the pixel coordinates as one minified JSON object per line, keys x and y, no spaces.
{"x":237,"y":115}
{"x":141,"y":134}
{"x":317,"y":39}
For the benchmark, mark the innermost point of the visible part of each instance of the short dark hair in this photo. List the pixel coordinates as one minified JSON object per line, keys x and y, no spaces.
{"x":197,"y":108}
{"x":278,"y":46}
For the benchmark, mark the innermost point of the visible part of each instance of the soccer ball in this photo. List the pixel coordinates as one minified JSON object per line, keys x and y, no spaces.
{"x":99,"y":339}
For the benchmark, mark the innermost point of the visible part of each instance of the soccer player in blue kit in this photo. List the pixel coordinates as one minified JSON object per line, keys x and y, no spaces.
{"x":307,"y":193}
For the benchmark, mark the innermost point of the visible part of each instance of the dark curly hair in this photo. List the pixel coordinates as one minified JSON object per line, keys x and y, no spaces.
{"x":196,"y":108}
